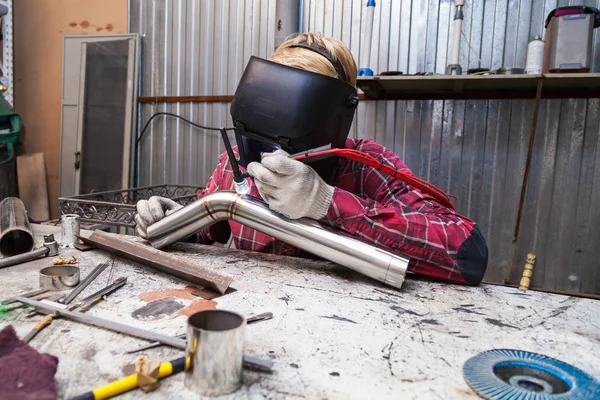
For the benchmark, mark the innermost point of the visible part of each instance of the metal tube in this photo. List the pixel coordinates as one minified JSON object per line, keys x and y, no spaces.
{"x":21,"y":258}
{"x":306,"y":234}
{"x":15,"y":233}
{"x":287,"y":20}
{"x":215,"y":344}
{"x":456,"y":39}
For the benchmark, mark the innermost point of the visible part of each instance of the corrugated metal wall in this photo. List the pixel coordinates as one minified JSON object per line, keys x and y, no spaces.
{"x":473,"y":149}
{"x":192,"y":47}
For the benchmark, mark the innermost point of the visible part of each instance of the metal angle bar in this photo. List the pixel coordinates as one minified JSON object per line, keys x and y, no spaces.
{"x":105,"y":323}
{"x":160,"y":260}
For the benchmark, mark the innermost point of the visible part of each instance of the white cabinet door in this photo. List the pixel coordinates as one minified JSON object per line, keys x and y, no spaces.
{"x":99,"y":95}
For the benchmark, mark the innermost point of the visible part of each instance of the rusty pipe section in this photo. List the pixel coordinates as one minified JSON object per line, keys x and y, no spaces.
{"x":15,"y":233}
{"x":306,"y":234}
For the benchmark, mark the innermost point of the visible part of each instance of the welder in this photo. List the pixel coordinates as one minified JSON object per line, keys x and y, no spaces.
{"x":303,"y":97}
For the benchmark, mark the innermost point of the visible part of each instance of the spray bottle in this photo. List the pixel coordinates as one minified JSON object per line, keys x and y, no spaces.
{"x":535,"y":56}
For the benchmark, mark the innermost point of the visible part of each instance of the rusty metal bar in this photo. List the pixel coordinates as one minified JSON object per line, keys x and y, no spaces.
{"x":165,"y":262}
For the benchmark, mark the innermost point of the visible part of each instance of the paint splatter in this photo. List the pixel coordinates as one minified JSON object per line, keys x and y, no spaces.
{"x":337,"y":318}
{"x":109,"y":27}
{"x":430,"y":321}
{"x":98,"y":29}
{"x":294,"y":365}
{"x":466,"y":310}
{"x":196,"y":306}
{"x":401,"y":310}
{"x":84,"y":24}
{"x":73,"y":24}
{"x":500,"y":323}
{"x":157,"y":309}
{"x":334,"y":373}
{"x":197,"y":303}
{"x":185,"y":294}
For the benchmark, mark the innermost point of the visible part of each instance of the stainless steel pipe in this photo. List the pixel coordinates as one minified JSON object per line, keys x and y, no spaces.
{"x":306,"y":234}
{"x":15,"y":233}
{"x":215,"y":346}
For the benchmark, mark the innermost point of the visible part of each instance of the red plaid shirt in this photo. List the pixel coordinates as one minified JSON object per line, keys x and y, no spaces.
{"x":378,"y":208}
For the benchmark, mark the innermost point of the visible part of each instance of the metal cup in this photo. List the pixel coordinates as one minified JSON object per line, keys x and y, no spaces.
{"x":70,"y":227}
{"x":59,"y":277}
{"x":215,"y":344}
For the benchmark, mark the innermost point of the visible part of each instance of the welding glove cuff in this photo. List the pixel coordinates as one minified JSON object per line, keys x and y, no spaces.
{"x":290,"y":187}
{"x":151,"y":211}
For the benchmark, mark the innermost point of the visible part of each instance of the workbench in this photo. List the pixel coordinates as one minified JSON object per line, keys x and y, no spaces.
{"x":335,"y":334}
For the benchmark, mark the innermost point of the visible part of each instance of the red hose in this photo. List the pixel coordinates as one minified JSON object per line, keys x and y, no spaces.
{"x":364,"y":158}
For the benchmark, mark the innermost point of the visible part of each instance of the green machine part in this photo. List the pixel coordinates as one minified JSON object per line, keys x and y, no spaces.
{"x":10,"y":131}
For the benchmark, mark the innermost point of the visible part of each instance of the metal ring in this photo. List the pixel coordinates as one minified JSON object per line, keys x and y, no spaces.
{"x":60,"y":277}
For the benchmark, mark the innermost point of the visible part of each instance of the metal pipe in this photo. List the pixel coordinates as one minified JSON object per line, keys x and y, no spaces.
{"x":306,"y":234}
{"x":215,"y":346}
{"x":15,"y":233}
{"x":22,"y":258}
{"x":287,"y":20}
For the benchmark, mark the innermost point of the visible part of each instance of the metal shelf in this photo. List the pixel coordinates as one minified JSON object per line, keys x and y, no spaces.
{"x":442,"y":87}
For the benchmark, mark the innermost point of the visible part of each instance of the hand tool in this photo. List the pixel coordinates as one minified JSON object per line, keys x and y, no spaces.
{"x":31,"y":294}
{"x":168,"y":368}
{"x":47,"y":320}
{"x":130,"y":382}
{"x":59,"y":277}
{"x":128,"y":329}
{"x":49,"y":249}
{"x":258,"y":317}
{"x":99,"y":294}
{"x":83,"y":305}
{"x":104,"y":323}
{"x":86,"y":281}
{"x":249,"y":320}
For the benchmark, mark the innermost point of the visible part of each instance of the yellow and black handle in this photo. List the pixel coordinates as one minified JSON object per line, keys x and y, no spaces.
{"x":131,"y":382}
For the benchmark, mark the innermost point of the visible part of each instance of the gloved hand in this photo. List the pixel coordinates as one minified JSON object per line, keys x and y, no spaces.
{"x":151,"y":211}
{"x":291,"y":187}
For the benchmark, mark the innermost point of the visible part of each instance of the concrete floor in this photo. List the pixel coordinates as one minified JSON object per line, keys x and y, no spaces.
{"x":334,"y":335}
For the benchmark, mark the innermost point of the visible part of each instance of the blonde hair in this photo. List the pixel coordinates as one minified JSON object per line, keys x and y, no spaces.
{"x":311,"y":61}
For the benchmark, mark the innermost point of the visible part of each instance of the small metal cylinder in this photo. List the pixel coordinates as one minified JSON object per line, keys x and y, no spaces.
{"x":15,"y":233}
{"x":215,"y":343}
{"x":69,"y":228}
{"x":59,"y":278}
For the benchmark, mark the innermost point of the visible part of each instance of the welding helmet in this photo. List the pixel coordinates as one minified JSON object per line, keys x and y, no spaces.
{"x":281,"y":107}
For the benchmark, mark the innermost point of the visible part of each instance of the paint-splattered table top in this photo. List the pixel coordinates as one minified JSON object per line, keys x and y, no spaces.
{"x":335,"y":334}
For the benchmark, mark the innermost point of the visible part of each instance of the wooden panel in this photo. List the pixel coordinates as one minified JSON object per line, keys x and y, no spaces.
{"x":39,"y":28}
{"x":33,"y":191}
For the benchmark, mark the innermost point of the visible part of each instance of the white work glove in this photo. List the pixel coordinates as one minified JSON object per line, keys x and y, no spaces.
{"x":151,"y":211}
{"x":291,"y":187}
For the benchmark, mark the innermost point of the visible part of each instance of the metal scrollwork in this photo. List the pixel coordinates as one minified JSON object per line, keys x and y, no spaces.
{"x":117,"y":207}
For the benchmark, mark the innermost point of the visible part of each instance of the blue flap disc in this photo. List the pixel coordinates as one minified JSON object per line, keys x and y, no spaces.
{"x":504,"y":374}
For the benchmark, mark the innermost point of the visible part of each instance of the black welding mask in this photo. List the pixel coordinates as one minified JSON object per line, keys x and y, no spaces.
{"x":280,"y":107}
